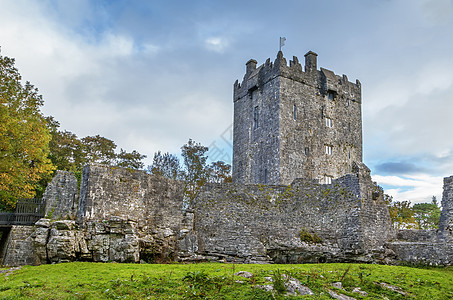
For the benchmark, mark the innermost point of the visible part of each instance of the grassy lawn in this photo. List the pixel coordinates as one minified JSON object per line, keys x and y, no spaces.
{"x":80,"y":280}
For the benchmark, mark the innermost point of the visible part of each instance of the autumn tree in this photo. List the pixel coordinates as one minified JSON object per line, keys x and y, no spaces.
{"x":24,"y":137}
{"x":402,"y":215}
{"x":165,"y":164}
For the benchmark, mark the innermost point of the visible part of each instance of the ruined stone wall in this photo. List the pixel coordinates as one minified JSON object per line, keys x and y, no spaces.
{"x":446,"y":217}
{"x":20,"y":247}
{"x":131,"y":195}
{"x":61,"y":196}
{"x":256,"y":223}
{"x":131,"y":216}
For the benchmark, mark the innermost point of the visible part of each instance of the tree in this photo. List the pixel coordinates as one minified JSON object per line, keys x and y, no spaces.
{"x":24,"y":137}
{"x":166,"y":165}
{"x":66,"y":151}
{"x":427,"y":215}
{"x":219,"y":172}
{"x":130,"y":160}
{"x":402,"y":215}
{"x":98,"y":149}
{"x":195,"y":173}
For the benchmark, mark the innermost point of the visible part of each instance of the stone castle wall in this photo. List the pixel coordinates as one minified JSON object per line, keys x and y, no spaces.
{"x":131,"y":216}
{"x":128,"y":216}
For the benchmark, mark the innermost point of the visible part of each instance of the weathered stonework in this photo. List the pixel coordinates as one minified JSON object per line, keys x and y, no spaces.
{"x":286,"y":119}
{"x":302,"y":222}
{"x":61,"y":196}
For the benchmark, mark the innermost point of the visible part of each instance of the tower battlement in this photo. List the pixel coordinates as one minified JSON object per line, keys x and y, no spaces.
{"x":258,"y":76}
{"x":292,"y":122}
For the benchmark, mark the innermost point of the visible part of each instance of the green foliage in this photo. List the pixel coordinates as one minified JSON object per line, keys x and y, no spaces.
{"x":24,"y":137}
{"x":219,"y":172}
{"x":216,"y":281}
{"x":402,"y":215}
{"x":278,"y":282}
{"x":306,"y":236}
{"x":132,"y":160}
{"x":98,"y":149}
{"x":195,"y":172}
{"x":427,"y":215}
{"x":165,"y":165}
{"x":418,"y":216}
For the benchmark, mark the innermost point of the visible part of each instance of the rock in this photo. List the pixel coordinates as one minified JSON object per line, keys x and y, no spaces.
{"x":339,"y":296}
{"x":393,"y":288}
{"x":294,"y":286}
{"x":244,"y":274}
{"x":64,"y":225}
{"x":43,"y":223}
{"x":266,"y":287}
{"x":337,"y":285}
{"x":360,"y":292}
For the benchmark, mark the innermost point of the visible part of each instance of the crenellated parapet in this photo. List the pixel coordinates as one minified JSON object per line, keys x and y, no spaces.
{"x":324,"y":79}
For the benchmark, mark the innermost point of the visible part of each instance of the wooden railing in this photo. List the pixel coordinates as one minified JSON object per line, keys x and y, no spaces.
{"x":27,"y":212}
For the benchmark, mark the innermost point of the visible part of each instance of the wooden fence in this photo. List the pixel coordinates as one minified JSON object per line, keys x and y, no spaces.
{"x":27,"y":212}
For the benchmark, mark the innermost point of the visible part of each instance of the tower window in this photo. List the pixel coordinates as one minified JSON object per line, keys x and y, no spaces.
{"x":307,"y":151}
{"x":328,"y":179}
{"x":265,"y":176}
{"x":331,"y":95}
{"x":295,"y":112}
{"x":255,"y":117}
{"x":328,"y":149}
{"x":329,"y":122}
{"x":347,"y":102}
{"x":349,"y":126}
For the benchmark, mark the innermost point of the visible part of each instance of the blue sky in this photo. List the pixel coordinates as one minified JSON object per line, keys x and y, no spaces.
{"x":152,"y":74}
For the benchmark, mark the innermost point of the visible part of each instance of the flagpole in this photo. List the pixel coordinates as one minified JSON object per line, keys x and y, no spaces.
{"x":282,"y":42}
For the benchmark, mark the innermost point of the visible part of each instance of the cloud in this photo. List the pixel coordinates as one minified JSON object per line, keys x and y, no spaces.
{"x":217,"y":44}
{"x":437,"y":12}
{"x":417,"y":189}
{"x":398,"y":168}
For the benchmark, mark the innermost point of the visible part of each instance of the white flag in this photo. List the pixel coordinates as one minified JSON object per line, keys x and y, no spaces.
{"x":282,"y":42}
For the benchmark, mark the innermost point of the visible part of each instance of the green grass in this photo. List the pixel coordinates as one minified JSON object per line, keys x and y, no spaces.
{"x":80,"y":280}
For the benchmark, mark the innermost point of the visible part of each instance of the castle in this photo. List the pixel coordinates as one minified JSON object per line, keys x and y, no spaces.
{"x":301,"y":192}
{"x":293,"y":124}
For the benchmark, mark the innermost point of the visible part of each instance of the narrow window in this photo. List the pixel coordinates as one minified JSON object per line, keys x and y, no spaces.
{"x":328,"y":179}
{"x":255,"y":117}
{"x":295,"y":112}
{"x":349,"y":126}
{"x":331,"y":95}
{"x":349,"y":154}
{"x":328,"y":150}
{"x":265,"y":176}
{"x":347,"y":102}
{"x":329,"y":122}
{"x":307,"y":151}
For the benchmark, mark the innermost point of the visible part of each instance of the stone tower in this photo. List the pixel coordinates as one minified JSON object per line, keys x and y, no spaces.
{"x":292,"y":123}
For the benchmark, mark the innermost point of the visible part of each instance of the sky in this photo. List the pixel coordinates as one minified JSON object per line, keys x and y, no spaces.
{"x":149,"y":75}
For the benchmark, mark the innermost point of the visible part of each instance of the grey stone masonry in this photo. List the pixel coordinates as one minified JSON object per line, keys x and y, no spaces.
{"x":290,"y":123}
{"x":446,"y":217}
{"x":61,"y":196}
